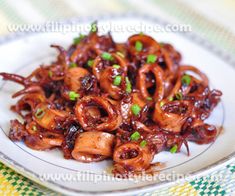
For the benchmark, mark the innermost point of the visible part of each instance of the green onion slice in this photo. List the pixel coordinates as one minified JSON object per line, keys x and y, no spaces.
{"x":151,"y":58}
{"x":90,"y":62}
{"x":138,"y":46}
{"x":135,"y":136}
{"x":179,"y":96}
{"x":117,"y":80}
{"x":143,"y":143}
{"x":135,"y":108}
{"x":39,"y":113}
{"x":116,"y":66}
{"x":73,"y":95}
{"x":128,"y":85}
{"x":186,"y":79}
{"x":174,"y":149}
{"x":107,"y":56}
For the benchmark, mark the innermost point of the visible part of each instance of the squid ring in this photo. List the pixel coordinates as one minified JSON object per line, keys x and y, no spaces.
{"x":159,"y":77}
{"x":172,"y":115}
{"x":73,"y":76}
{"x":93,"y":146}
{"x":41,"y":140}
{"x":45,"y":116}
{"x":109,"y":123}
{"x":132,"y":156}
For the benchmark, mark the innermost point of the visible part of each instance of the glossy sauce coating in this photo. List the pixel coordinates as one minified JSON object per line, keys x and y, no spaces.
{"x":122,"y":101}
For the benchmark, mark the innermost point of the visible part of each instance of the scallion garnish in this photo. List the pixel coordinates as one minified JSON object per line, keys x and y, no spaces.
{"x":90,"y":63}
{"x":135,"y":136}
{"x":128,"y":85}
{"x":117,"y":80}
{"x":73,"y":95}
{"x":143,"y":143}
{"x":107,"y":56}
{"x":39,"y":113}
{"x":135,"y":108}
{"x":170,"y":98}
{"x":151,"y":58}
{"x":116,"y":66}
{"x":179,"y":96}
{"x":186,"y":79}
{"x":174,"y":149}
{"x":138,"y":46}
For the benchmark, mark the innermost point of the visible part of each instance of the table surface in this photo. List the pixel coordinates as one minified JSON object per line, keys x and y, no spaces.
{"x":211,"y":19}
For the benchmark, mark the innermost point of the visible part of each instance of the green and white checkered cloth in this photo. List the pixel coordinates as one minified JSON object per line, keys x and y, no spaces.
{"x":211,"y":19}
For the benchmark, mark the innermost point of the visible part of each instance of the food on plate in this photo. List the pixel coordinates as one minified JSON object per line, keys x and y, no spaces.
{"x":122,"y":101}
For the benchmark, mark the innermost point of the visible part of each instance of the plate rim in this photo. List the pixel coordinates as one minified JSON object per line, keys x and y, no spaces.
{"x":194,"y":37}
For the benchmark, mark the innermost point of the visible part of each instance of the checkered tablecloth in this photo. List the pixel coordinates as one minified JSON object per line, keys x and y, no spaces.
{"x":211,"y":19}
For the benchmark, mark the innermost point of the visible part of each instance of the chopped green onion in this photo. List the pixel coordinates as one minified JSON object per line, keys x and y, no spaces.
{"x":107,"y":56}
{"x":161,"y":103}
{"x":73,"y":65}
{"x":116,"y":66}
{"x":151,"y":58}
{"x":135,"y":136}
{"x":94,"y":27}
{"x":143,"y":143}
{"x":135,"y":108}
{"x":149,"y":98}
{"x":77,"y":40}
{"x":120,"y":54}
{"x":171,"y":99}
{"x":73,"y":95}
{"x":39,"y":113}
{"x":50,"y":74}
{"x":90,"y":63}
{"x":128,"y":85}
{"x":141,"y":33}
{"x":34,"y":128}
{"x":186,"y":79}
{"x":174,"y":149}
{"x":117,"y":80}
{"x":138,"y":46}
{"x":179,"y":96}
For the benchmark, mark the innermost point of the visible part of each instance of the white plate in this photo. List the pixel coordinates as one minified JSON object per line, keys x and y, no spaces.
{"x":23,"y":53}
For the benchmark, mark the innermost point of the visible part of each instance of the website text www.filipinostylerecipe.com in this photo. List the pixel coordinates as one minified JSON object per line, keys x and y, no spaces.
{"x":60,"y":27}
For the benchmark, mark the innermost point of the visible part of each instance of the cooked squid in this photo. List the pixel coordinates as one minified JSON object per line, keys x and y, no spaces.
{"x":122,"y":101}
